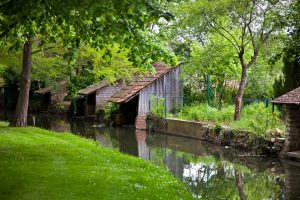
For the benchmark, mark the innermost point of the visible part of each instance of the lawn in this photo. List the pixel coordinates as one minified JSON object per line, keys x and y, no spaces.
{"x":40,"y":164}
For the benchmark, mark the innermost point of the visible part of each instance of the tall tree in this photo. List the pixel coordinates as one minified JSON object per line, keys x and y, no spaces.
{"x":73,"y":22}
{"x":246,"y":24}
{"x":291,"y":54}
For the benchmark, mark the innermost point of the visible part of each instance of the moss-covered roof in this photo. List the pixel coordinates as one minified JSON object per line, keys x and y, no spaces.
{"x":93,"y":88}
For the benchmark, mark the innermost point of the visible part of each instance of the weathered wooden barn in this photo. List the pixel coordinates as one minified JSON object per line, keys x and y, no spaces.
{"x":52,"y":94}
{"x":95,"y":96}
{"x":292,"y":117}
{"x":134,"y":98}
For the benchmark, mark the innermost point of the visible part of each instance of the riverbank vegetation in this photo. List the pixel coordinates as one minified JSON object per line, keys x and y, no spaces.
{"x":40,"y":164}
{"x":256,"y":117}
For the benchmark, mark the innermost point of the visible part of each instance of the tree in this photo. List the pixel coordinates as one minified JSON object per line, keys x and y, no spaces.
{"x":213,"y":59}
{"x":73,"y":23}
{"x":291,"y":54}
{"x":246,"y":24}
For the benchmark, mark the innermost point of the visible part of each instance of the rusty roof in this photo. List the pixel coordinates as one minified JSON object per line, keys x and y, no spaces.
{"x":93,"y":88}
{"x":292,"y":97}
{"x":133,"y":88}
{"x":50,"y":88}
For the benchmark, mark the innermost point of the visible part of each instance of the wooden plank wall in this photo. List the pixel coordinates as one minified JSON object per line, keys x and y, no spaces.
{"x":169,"y":87}
{"x":103,"y":94}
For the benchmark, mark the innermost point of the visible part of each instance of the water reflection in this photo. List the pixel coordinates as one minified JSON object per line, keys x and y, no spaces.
{"x":210,"y":172}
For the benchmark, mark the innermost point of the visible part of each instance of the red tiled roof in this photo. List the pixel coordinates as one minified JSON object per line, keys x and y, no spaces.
{"x":134,"y":87}
{"x":292,"y":97}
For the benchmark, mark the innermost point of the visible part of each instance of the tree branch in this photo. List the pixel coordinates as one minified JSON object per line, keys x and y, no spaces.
{"x":4,"y":33}
{"x":47,"y":48}
{"x":226,"y":32}
{"x":235,"y":47}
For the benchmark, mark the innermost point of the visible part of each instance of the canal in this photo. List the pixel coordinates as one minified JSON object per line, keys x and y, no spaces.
{"x":208,"y":171}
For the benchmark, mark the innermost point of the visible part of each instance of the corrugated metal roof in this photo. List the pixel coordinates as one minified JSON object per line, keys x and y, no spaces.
{"x":134,"y":87}
{"x":292,"y":97}
{"x":93,"y":88}
{"x":49,"y":88}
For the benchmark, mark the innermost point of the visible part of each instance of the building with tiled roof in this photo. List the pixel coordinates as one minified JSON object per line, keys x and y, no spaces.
{"x":291,"y":100}
{"x":134,"y":98}
{"x":292,"y":97}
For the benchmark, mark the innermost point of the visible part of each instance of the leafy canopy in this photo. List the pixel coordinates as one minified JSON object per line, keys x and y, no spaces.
{"x":77,"y":22}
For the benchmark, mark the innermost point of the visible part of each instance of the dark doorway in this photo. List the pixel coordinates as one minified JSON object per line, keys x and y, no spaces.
{"x":78,"y":106}
{"x":90,"y":104}
{"x":130,"y":110}
{"x":45,"y":101}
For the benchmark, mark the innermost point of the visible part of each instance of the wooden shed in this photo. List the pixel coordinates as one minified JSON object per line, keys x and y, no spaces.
{"x":52,"y":94}
{"x":292,"y":102}
{"x":134,"y":98}
{"x":95,"y":96}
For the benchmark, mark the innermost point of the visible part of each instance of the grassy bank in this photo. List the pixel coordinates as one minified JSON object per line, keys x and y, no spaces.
{"x":255,"y":117}
{"x":40,"y":164}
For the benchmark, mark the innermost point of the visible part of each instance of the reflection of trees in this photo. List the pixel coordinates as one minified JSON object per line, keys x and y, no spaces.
{"x":239,"y":184}
{"x":211,"y":178}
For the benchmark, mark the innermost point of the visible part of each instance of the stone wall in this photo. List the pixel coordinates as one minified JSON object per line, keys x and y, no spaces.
{"x":292,"y":142}
{"x":186,"y":128}
{"x":292,"y":180}
{"x":224,"y":136}
{"x":140,"y":122}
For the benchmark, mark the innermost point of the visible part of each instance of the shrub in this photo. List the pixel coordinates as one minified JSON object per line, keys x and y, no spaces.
{"x":157,"y":106}
{"x":255,"y":117}
{"x":109,"y":111}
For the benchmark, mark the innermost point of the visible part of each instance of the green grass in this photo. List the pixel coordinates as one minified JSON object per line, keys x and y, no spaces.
{"x":40,"y":164}
{"x":255,"y":117}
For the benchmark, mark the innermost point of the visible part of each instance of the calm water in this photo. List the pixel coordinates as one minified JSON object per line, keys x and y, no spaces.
{"x":210,"y":172}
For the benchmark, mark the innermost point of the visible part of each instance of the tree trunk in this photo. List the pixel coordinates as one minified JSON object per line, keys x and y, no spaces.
{"x":239,"y":96}
{"x":20,"y":119}
{"x":239,"y":185}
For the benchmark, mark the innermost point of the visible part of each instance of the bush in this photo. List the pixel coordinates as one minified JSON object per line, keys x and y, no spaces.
{"x":203,"y":112}
{"x":255,"y":117}
{"x":157,"y":106}
{"x":109,"y":111}
{"x":259,"y":120}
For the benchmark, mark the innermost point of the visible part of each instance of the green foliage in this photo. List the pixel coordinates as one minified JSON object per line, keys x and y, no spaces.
{"x":263,"y":74}
{"x":217,"y":129}
{"x":204,"y":112}
{"x":191,"y":96}
{"x":110,"y":63}
{"x":109,"y":111}
{"x":290,"y":79}
{"x":65,"y":166}
{"x":157,"y":106}
{"x":256,"y":118}
{"x":111,"y":28}
{"x":230,"y":34}
{"x":48,"y":66}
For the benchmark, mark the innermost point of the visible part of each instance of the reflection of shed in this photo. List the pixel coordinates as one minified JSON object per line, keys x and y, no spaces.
{"x":52,"y":94}
{"x":292,"y":141}
{"x":95,"y":96}
{"x":134,"y":98}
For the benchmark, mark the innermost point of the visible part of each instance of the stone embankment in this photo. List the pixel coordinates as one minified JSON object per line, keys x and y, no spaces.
{"x":221,"y":135}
